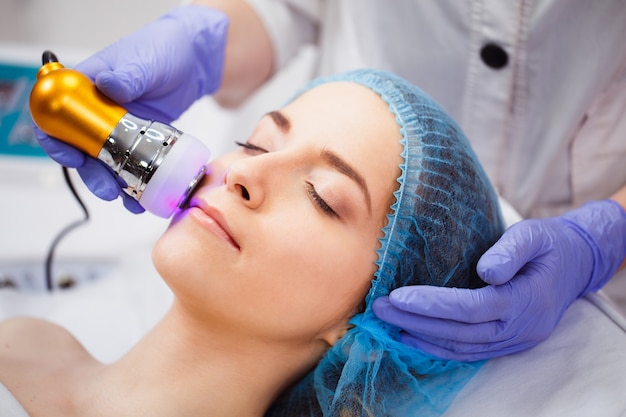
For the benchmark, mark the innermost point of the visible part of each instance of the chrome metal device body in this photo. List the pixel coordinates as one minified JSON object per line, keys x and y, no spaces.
{"x":136,"y":148}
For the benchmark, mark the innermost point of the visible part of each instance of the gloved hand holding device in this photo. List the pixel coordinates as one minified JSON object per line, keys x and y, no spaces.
{"x":536,"y":270}
{"x":155,"y":73}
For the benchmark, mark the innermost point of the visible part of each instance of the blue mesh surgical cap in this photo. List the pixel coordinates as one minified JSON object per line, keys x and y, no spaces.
{"x":445,"y":215}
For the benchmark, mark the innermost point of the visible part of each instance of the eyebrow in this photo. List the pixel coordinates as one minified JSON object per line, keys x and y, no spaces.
{"x":330,"y":157}
{"x":280,"y":120}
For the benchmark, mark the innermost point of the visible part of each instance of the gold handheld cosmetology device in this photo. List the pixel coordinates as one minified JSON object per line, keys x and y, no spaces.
{"x":159,"y":164}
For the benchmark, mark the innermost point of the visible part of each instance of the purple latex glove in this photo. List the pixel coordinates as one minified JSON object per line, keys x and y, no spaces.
{"x":536,"y":270}
{"x":155,"y":73}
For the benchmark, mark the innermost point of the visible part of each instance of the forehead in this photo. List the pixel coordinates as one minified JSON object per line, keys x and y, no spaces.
{"x":345,"y":113}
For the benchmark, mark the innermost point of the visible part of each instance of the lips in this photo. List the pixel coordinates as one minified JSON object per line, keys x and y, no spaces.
{"x":213,"y":220}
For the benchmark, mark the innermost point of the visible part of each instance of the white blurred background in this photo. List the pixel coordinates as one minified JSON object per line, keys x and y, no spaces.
{"x":86,"y":24}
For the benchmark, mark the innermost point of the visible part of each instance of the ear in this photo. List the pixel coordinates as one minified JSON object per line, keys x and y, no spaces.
{"x":337,"y":332}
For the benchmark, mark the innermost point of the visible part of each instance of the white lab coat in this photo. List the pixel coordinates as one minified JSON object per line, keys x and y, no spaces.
{"x":549,"y":127}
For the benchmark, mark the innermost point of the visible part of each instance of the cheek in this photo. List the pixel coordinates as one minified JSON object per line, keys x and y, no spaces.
{"x":320,"y":274}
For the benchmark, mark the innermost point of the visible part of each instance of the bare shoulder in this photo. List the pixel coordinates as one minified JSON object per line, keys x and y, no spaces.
{"x":39,"y":360}
{"x":21,"y":323}
{"x":29,"y":338}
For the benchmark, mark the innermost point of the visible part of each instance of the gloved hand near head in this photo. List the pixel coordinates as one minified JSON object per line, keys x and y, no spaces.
{"x":156,"y":73}
{"x":536,"y":270}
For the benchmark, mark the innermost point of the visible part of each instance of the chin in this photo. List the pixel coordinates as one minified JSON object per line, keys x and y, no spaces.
{"x":173,"y":252}
{"x":163,"y":259}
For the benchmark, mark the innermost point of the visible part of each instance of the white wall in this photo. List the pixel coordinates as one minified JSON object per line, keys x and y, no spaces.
{"x":87,"y":24}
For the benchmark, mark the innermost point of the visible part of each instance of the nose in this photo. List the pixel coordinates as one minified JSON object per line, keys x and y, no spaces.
{"x":245,"y":179}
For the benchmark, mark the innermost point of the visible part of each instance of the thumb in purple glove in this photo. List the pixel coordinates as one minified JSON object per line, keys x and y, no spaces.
{"x":537,"y":269}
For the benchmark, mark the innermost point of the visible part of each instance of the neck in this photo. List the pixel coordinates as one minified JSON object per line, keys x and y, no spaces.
{"x":184,"y":367}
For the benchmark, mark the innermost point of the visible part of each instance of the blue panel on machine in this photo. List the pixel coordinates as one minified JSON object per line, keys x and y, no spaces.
{"x":16,"y":131}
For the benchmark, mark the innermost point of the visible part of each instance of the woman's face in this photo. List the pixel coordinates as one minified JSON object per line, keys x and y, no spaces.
{"x":280,"y":239}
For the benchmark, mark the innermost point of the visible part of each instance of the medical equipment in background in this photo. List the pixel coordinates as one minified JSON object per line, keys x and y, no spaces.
{"x":159,"y":164}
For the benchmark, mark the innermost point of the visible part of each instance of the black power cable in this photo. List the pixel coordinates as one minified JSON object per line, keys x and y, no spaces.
{"x":46,"y":58}
{"x":65,"y":231}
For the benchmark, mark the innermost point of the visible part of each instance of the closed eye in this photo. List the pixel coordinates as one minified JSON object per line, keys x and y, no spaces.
{"x":319,"y":201}
{"x":313,"y":194}
{"x":251,"y":147}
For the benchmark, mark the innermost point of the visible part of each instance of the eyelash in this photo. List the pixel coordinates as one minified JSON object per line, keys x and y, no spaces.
{"x":319,"y":201}
{"x":315,"y":197}
{"x":250,"y":147}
